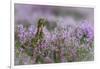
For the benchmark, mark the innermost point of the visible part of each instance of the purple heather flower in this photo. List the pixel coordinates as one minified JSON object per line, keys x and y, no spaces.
{"x":85,"y":29}
{"x":79,"y":33}
{"x":88,"y":30}
{"x":22,"y":38}
{"x":64,"y":34}
{"x":22,"y":34}
{"x":47,"y":34}
{"x":20,"y":28}
{"x":31,"y":31}
{"x":53,"y":37}
{"x":44,"y":45}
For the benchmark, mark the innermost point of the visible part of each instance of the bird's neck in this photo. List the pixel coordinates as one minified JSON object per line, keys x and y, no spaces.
{"x":39,"y":30}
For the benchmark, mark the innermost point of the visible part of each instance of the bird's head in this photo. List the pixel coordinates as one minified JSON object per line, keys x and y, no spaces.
{"x":42,"y":23}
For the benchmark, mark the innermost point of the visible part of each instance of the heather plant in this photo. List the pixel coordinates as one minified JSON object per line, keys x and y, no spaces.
{"x":71,"y":43}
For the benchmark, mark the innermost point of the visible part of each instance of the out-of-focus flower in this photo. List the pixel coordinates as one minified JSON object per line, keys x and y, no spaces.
{"x":43,"y":45}
{"x":25,"y":34}
{"x":32,"y":31}
{"x":79,"y":33}
{"x":48,"y":60}
{"x":47,"y":35}
{"x":66,"y":39}
{"x":22,"y":34}
{"x":88,"y":30}
{"x":84,"y":30}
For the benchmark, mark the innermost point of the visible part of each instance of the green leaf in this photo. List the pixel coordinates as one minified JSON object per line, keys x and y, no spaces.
{"x":17,"y":45}
{"x":39,"y":59}
{"x":82,"y":53}
{"x":29,"y":52}
{"x":56,"y":57}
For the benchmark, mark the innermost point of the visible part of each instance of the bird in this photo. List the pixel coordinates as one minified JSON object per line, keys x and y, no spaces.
{"x":38,"y":37}
{"x":39,"y":34}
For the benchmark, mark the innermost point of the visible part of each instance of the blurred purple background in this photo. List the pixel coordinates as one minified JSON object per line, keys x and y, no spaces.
{"x":29,"y":14}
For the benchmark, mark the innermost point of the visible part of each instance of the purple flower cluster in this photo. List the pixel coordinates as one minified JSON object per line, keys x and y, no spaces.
{"x":32,"y":31}
{"x":24,"y":34}
{"x":65,"y":40}
{"x":21,"y":34}
{"x":85,"y":30}
{"x":88,"y":30}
